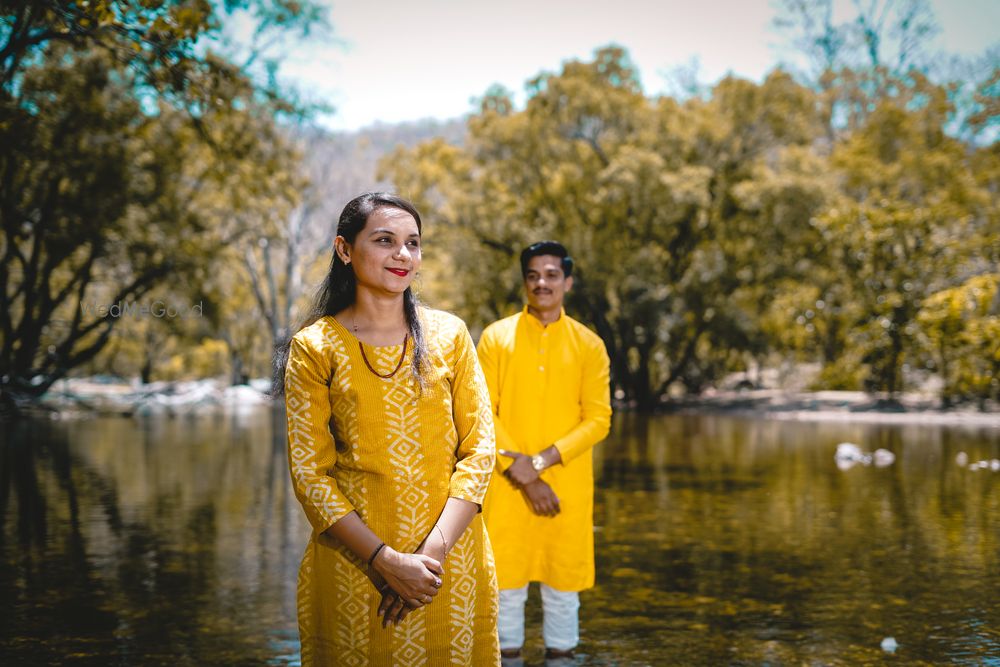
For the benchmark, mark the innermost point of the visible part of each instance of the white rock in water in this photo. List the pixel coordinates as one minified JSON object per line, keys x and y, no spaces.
{"x":883,"y":458}
{"x":845,"y":464}
{"x":962,"y":459}
{"x":848,"y":451}
{"x":889,"y":645}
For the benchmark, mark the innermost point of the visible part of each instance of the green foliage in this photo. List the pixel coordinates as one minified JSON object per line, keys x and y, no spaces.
{"x":132,"y":158}
{"x":961,"y":334}
{"x":903,"y":226}
{"x":716,"y":230}
{"x":662,"y":204}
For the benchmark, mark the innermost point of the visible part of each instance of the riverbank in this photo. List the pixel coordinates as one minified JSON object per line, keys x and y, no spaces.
{"x":842,"y":406}
{"x":101,"y":396}
{"x":106,"y":396}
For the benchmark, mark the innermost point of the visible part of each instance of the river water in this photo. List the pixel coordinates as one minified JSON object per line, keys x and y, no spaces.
{"x":720,"y":541}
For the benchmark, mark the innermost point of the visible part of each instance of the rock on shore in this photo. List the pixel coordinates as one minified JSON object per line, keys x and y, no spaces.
{"x":111,"y":396}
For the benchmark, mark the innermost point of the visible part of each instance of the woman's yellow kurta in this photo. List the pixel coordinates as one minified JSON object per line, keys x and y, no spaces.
{"x":395,"y":456}
{"x":549,"y":386}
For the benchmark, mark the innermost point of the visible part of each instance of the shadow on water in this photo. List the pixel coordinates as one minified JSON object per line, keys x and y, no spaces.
{"x":720,"y":541}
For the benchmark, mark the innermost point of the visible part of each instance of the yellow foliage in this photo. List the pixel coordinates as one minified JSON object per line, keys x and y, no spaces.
{"x":210,"y":358}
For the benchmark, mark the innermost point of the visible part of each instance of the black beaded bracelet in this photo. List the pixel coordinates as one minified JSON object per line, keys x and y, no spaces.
{"x":375,"y":553}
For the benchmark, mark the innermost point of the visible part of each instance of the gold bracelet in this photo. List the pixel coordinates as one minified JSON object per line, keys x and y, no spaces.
{"x":443,"y":539}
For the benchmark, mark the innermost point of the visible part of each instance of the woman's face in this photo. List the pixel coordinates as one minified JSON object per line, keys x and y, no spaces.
{"x":385,"y":254}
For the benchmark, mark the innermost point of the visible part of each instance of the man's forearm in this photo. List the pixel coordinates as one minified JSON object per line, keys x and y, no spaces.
{"x":546,"y":458}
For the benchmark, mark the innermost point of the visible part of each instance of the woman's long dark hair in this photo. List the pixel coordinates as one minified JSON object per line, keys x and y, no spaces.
{"x":338,"y":290}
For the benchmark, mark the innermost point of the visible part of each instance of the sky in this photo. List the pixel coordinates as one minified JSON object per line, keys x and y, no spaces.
{"x":400,"y":60}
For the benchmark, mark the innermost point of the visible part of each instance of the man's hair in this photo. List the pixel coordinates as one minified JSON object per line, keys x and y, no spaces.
{"x":553,"y":248}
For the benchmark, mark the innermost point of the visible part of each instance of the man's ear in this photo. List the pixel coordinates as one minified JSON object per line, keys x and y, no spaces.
{"x":569,"y":283}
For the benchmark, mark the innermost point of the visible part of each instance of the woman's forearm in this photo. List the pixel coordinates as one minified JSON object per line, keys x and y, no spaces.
{"x":397,"y":568}
{"x":454,"y":519}
{"x":353,"y":533}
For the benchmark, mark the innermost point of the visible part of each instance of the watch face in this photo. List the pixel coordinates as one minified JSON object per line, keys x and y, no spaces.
{"x":537,"y":463}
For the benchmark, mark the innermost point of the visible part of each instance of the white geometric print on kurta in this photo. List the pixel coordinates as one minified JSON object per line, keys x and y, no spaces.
{"x":485,"y":421}
{"x":323,"y":498}
{"x":308,"y":405}
{"x":406,"y":457}
{"x":409,"y":644}
{"x":333,"y":589}
{"x":409,"y":490}
{"x":345,"y":412}
{"x":494,"y":600}
{"x":463,"y":599}
{"x":305,"y":605}
{"x":352,"y":484}
{"x":352,"y":629}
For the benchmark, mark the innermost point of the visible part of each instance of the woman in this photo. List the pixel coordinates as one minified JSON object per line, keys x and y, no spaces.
{"x":390,"y":446}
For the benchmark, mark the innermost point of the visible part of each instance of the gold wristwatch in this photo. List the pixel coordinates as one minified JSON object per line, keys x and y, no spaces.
{"x":538,"y":463}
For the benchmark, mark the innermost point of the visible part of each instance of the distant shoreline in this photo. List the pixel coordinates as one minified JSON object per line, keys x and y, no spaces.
{"x":106,"y":396}
{"x":101,"y":396}
{"x":833,"y":406}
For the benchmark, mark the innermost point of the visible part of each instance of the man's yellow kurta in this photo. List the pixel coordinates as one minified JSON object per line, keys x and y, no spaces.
{"x":549,"y":386}
{"x":394,"y":453}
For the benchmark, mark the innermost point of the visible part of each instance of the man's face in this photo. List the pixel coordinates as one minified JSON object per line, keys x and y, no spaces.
{"x":545,"y":283}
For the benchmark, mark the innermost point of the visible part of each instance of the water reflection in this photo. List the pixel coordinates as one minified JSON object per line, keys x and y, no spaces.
{"x":148,"y":542}
{"x":729,"y":541}
{"x":720,"y":542}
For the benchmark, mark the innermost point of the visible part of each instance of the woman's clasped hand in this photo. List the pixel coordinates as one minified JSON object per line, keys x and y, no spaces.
{"x":406,"y":582}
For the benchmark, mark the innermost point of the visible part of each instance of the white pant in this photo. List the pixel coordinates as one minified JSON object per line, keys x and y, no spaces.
{"x":560,"y":618}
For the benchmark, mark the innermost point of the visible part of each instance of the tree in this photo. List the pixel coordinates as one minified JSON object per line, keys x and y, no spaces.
{"x":715,"y":232}
{"x":651,"y":197}
{"x":130,"y":156}
{"x":157,"y":39}
{"x":960,"y":328}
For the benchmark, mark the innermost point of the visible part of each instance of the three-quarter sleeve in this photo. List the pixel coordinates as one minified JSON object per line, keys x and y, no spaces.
{"x":595,"y":405}
{"x":311,"y":449}
{"x":473,"y":414}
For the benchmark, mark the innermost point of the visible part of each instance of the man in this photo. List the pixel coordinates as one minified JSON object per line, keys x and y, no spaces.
{"x":548,"y":381}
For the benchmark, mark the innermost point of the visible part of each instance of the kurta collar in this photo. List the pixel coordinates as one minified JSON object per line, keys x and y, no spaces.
{"x":535,"y":322}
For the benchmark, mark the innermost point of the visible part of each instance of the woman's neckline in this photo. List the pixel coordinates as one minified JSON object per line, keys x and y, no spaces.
{"x":340,"y":325}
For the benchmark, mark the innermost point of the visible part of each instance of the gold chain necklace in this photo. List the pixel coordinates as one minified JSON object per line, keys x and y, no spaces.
{"x":361,"y":346}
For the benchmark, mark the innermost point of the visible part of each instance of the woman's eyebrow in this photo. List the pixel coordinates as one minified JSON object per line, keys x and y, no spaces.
{"x":385,"y":230}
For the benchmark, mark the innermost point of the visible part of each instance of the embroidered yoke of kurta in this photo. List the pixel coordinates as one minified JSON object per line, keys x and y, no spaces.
{"x":549,"y":386}
{"x":394,"y":453}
